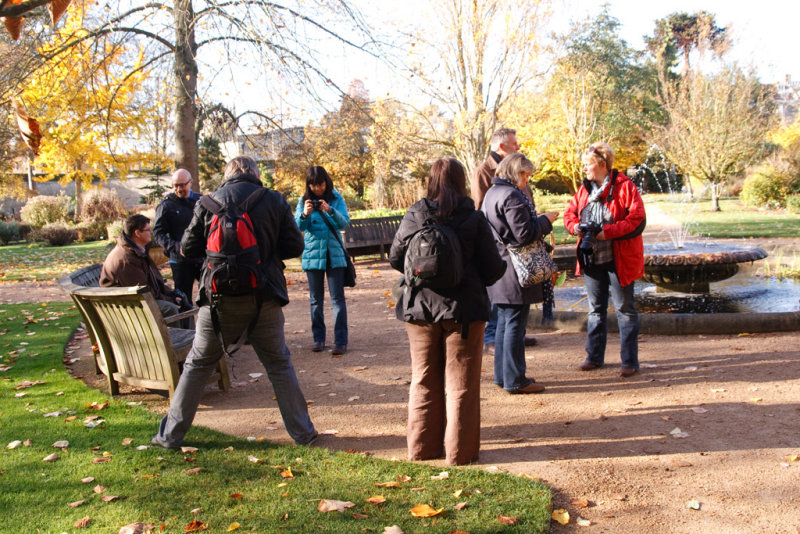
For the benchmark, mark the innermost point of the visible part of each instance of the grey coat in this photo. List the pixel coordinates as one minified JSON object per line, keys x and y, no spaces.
{"x":508,"y":214}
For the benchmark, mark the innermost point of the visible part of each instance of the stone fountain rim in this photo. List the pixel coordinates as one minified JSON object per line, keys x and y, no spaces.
{"x":744,"y":253}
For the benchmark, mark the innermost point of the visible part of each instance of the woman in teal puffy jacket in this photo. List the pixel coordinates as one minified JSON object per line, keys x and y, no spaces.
{"x":321,"y":208}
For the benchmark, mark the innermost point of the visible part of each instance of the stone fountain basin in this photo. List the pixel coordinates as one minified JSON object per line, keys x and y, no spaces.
{"x":693,"y":266}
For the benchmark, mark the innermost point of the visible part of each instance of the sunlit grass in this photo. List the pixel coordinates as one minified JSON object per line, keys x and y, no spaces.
{"x":40,"y":262}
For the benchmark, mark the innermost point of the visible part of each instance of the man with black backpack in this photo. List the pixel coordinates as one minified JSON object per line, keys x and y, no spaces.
{"x":245,"y":232}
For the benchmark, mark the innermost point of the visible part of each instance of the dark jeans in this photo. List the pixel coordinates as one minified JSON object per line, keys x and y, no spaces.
{"x":184,"y":274}
{"x":509,"y":346}
{"x":316,"y":288}
{"x":599,"y":280}
{"x":491,"y":326}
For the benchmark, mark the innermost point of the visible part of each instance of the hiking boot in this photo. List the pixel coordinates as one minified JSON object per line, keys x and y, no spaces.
{"x":319,"y":346}
{"x":530,"y":341}
{"x":338,"y":350}
{"x":163,"y":444}
{"x":626,"y":371}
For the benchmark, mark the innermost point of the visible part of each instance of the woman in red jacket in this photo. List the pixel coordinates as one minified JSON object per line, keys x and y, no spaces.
{"x":607,"y":213}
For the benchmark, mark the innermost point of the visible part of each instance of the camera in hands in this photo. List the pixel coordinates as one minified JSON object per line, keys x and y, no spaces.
{"x":316,"y":204}
{"x":589,"y":231}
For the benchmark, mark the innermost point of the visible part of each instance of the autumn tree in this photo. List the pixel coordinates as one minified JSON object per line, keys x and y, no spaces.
{"x":84,"y":103}
{"x":280,"y":42}
{"x":718,"y":125}
{"x":599,"y":89}
{"x":474,"y":57}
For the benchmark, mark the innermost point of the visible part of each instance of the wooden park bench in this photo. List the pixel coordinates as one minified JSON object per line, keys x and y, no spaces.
{"x":134,"y":344}
{"x":371,"y":236}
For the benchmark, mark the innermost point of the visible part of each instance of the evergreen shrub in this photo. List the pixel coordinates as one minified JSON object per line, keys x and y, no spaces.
{"x":9,"y":231}
{"x":765,"y":188}
{"x":57,"y":234}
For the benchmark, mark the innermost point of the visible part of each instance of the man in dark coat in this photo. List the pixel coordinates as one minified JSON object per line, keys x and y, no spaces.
{"x":173,"y":215}
{"x":278,"y":239}
{"x":128,"y":264}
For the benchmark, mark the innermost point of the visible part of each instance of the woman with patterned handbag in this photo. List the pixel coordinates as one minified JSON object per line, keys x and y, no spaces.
{"x":321,"y":213}
{"x":515,"y":223}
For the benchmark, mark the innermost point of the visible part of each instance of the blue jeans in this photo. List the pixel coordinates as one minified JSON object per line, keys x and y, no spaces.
{"x":598,"y":280}
{"x":316,"y":286}
{"x":491,"y":326}
{"x":270,"y":346}
{"x":509,"y":346}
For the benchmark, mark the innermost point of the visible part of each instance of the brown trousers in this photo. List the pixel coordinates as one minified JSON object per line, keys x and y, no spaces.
{"x":444,"y":412}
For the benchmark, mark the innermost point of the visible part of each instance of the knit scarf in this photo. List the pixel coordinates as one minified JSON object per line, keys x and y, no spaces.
{"x":596,"y":210}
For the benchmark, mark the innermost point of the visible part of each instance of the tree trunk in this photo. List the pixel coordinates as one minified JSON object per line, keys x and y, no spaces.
{"x":715,"y":197}
{"x":78,"y":197}
{"x":185,"y":70}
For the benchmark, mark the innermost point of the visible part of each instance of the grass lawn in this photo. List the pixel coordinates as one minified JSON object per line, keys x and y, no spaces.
{"x":107,"y":473}
{"x":734,"y":220}
{"x":38,"y":262}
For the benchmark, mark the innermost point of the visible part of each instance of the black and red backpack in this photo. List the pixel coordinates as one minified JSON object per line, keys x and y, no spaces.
{"x":233,"y":259}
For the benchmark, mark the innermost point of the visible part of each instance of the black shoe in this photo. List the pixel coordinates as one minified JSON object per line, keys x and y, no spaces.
{"x":339,"y":350}
{"x":319,"y":346}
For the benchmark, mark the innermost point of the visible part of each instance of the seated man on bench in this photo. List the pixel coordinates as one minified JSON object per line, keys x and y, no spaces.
{"x":129,"y":264}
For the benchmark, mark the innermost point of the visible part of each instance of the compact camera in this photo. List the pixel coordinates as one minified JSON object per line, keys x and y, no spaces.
{"x":315,"y":204}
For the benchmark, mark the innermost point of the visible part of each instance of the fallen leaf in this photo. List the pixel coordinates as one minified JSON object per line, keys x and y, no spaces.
{"x":75,"y":504}
{"x":287,"y":473}
{"x":460,"y":506}
{"x":423,"y":510}
{"x":331,"y":505}
{"x":756,"y":399}
{"x":233,"y":526}
{"x":698,"y":409}
{"x":508,"y":520}
{"x":620,"y":497}
{"x":677,"y":433}
{"x":580,"y":503}
{"x":50,"y":457}
{"x":87,"y":480}
{"x":561,"y":516}
{"x":14,"y":444}
{"x":126,"y":441}
{"x":99,"y":488}
{"x":718,"y":390}
{"x":583,"y":522}
{"x":82,"y":522}
{"x":417,"y":489}
{"x":189,"y":450}
{"x":390,"y":484}
{"x":195,"y":511}
{"x":360,"y":368}
{"x":394,"y":529}
{"x":193,"y":471}
{"x":403,"y":478}
{"x":693,"y":504}
{"x":100,"y":460}
{"x":359,"y":516}
{"x":195,"y":526}
{"x":137,"y":528}
{"x":791,"y":458}
{"x":255,"y":460}
{"x":110,"y":498}
{"x":441,"y":476}
{"x":377,"y":499}
{"x":98,"y":406}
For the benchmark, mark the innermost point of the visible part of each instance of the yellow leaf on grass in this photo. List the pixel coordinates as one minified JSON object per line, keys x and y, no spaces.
{"x":561,"y":516}
{"x":233,"y":526}
{"x":388,"y":484}
{"x":377,"y":499}
{"x":287,"y":473}
{"x":423,"y":510}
